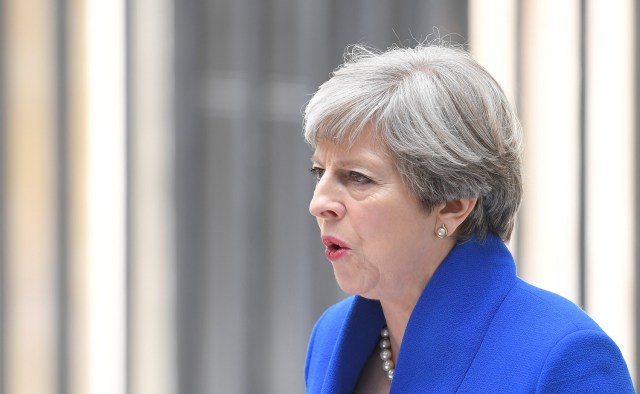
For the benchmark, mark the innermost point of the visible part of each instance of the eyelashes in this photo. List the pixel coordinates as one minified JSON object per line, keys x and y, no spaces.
{"x":359,"y":178}
{"x":350,"y":176}
{"x":316,"y":173}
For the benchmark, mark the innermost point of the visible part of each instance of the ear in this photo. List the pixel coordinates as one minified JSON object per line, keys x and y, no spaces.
{"x":453,"y":213}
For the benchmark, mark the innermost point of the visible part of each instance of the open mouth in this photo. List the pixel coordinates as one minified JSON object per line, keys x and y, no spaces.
{"x":335,"y":248}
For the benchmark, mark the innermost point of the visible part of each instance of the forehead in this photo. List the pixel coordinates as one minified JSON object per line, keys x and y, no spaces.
{"x":366,"y":143}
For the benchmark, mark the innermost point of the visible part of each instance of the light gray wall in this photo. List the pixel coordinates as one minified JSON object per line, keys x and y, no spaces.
{"x":251,"y":274}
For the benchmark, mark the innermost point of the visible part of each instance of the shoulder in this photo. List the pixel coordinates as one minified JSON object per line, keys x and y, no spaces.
{"x":565,"y":349}
{"x":540,"y":316}
{"x":551,"y":310}
{"x":585,"y":360}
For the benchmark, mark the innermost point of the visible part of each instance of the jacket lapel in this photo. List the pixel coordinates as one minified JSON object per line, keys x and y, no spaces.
{"x":355,"y":342}
{"x":452,"y":315}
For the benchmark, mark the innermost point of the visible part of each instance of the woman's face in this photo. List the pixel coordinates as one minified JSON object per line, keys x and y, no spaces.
{"x":380,"y":241}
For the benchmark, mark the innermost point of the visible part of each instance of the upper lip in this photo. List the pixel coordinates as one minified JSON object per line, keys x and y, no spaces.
{"x":331,"y":241}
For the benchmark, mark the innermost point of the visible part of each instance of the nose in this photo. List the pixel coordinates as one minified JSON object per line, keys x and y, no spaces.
{"x":325,"y":203}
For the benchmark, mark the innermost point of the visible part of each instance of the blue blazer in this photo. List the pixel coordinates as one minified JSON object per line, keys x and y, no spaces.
{"x":476,"y":328}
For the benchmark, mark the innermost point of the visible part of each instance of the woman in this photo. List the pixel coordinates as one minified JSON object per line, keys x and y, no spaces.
{"x":417,"y":164}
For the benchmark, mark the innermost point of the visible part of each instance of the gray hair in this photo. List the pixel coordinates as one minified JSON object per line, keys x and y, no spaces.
{"x":446,"y":122}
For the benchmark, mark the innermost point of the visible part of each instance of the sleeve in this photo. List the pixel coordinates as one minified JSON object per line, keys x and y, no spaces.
{"x":585,"y":361}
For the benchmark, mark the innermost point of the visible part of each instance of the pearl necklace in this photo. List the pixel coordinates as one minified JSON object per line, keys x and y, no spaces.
{"x":385,"y":353}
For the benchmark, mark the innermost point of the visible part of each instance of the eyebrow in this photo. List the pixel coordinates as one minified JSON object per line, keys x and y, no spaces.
{"x":359,"y":161}
{"x":367,"y":157}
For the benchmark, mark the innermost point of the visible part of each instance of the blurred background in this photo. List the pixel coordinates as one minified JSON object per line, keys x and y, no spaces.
{"x":154,"y":233}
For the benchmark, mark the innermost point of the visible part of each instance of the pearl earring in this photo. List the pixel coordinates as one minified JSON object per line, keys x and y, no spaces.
{"x":442,"y":231}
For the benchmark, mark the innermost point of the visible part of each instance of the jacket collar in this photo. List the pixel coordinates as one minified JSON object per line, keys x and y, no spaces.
{"x":446,"y":326}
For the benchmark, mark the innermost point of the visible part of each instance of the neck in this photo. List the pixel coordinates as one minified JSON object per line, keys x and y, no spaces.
{"x":397,"y":318}
{"x":397,"y":308}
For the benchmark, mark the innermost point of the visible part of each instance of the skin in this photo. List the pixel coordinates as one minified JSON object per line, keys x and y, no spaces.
{"x":393,"y":249}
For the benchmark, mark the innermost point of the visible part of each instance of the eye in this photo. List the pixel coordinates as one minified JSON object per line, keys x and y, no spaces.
{"x":316,"y":172}
{"x":359,"y":178}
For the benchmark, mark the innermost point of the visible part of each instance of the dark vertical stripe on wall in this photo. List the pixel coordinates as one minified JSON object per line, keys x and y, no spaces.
{"x":189,"y":191}
{"x":518,"y":88}
{"x":2,"y":201}
{"x":582,"y":206}
{"x":61,"y":157}
{"x":128,"y":78}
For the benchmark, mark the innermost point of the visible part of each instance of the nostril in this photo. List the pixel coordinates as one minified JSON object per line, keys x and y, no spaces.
{"x":328,"y":214}
{"x":332,"y":213}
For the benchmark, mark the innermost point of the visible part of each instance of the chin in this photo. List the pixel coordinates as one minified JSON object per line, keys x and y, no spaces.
{"x":353,"y":287}
{"x":348,"y":286}
{"x":357,"y":281}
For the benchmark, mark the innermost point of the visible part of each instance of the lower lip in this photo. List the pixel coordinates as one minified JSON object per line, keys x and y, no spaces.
{"x":334,"y":255}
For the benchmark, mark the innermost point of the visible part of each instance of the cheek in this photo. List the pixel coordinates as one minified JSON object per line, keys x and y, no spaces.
{"x":370,"y":222}
{"x":389,"y":221}
{"x":380,"y":230}
{"x":396,"y":228}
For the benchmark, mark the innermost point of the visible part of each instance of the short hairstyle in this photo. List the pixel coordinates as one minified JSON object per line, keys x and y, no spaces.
{"x":446,"y":122}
